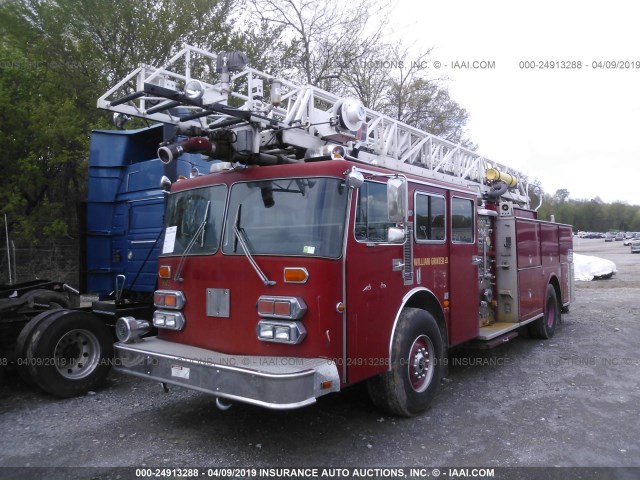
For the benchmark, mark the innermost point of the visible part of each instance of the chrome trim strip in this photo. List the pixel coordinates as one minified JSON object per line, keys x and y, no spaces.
{"x":344,"y":284}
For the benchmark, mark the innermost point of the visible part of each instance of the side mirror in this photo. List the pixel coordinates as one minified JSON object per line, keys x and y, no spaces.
{"x":355,"y":179}
{"x":395,"y":235}
{"x":397,"y":199}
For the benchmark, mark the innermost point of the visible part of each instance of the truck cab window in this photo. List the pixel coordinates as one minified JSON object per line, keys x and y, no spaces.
{"x":185,"y":215}
{"x":296,"y":216}
{"x":372,"y":217}
{"x":429,"y":217}
{"x":462,"y":230}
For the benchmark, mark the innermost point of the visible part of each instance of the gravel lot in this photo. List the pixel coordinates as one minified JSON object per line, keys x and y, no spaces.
{"x":571,"y":401}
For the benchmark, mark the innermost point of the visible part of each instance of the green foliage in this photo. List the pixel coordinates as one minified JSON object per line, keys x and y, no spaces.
{"x":56,"y":58}
{"x":44,"y":139}
{"x":590,"y":215}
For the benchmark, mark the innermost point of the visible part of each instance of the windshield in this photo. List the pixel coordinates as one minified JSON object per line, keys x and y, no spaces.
{"x":300,"y":216}
{"x":194,"y":217}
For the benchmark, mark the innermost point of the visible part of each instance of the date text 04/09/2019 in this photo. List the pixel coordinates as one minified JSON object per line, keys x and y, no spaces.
{"x":579,"y":65}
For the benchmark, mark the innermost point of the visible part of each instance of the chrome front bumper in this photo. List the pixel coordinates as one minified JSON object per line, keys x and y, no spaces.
{"x":271,"y":382}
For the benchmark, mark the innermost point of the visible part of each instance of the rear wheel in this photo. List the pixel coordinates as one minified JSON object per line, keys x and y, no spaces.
{"x":545,"y":326}
{"x":70,"y":353}
{"x":23,"y":341}
{"x":417,"y":366}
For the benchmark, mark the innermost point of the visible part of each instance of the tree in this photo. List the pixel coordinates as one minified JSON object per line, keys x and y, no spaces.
{"x":423,"y":102}
{"x":561,"y":195}
{"x":44,"y":142}
{"x":325,"y":37}
{"x":58,"y":57}
{"x":339,"y":47}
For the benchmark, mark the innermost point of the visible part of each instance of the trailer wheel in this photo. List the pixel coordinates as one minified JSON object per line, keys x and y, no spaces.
{"x":70,"y":353}
{"x":545,"y":326}
{"x":23,"y":341}
{"x":417,"y":366}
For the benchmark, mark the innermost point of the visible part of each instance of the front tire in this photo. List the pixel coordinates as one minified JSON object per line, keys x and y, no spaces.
{"x":417,"y":366}
{"x":70,"y":354}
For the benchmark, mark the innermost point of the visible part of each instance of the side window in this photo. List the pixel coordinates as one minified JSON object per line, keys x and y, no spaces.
{"x":429,"y":218}
{"x":462,"y":225}
{"x":372,"y":216}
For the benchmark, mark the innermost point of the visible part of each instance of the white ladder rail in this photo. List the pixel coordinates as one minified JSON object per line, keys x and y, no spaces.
{"x":399,"y":145}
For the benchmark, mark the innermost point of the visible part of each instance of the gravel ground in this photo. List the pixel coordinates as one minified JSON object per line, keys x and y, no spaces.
{"x":571,"y":401}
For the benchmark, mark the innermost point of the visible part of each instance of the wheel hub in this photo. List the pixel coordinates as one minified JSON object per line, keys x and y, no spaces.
{"x":77,"y":354}
{"x":420,"y":367}
{"x":420,"y":363}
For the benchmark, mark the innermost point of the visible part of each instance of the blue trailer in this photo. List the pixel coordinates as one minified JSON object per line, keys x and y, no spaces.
{"x":52,"y":341}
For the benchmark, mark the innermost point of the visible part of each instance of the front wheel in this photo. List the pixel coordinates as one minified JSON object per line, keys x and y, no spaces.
{"x":70,"y":354}
{"x":417,"y":366}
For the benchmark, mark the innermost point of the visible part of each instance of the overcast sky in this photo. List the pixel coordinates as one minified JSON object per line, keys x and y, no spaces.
{"x":575,"y":128}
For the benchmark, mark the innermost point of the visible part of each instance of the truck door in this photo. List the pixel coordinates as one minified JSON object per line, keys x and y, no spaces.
{"x":374,"y":287}
{"x":145,"y":226}
{"x":463,"y":272}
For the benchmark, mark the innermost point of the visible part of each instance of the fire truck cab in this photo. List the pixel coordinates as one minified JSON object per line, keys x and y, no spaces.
{"x":334,"y":246}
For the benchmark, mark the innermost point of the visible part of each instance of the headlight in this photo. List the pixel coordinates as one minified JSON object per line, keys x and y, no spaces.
{"x":280,"y":332}
{"x":170,"y":320}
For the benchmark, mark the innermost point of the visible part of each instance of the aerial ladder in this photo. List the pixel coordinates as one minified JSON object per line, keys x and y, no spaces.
{"x":230,"y":117}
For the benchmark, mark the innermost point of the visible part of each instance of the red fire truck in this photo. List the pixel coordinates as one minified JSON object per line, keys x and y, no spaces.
{"x":331,"y":245}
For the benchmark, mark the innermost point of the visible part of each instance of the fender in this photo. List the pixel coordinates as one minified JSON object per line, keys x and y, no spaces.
{"x":433,"y":300}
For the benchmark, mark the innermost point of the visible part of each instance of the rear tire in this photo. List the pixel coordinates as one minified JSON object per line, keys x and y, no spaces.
{"x":417,"y":366}
{"x":70,"y":354}
{"x":23,"y":341}
{"x":545,"y":326}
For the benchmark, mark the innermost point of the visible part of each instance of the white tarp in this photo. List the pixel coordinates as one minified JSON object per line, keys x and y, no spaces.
{"x":587,"y":267}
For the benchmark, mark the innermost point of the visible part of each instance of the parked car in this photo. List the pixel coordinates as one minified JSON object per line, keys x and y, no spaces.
{"x":635,"y":246}
{"x":619,"y":237}
{"x":608,"y":238}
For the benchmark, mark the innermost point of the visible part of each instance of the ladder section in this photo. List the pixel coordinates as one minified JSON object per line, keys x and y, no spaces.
{"x":200,"y":92}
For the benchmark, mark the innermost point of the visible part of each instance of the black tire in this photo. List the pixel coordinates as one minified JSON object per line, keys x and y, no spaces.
{"x":46,"y":299}
{"x":545,"y":326}
{"x":23,"y":341}
{"x":417,"y":366}
{"x":70,"y":354}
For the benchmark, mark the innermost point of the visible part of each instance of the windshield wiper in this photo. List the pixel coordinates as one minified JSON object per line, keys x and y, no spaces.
{"x":245,"y":249}
{"x":200,"y":230}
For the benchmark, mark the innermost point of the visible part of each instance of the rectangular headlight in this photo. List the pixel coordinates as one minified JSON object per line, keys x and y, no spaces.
{"x":280,"y":331}
{"x":167,"y":319}
{"x":282,"y":334}
{"x":265,"y":332}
